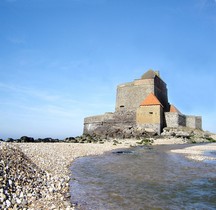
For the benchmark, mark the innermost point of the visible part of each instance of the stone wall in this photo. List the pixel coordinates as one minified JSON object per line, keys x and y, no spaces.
{"x":99,"y":118}
{"x":148,"y":114}
{"x":109,"y":124}
{"x":94,"y":122}
{"x":174,"y":119}
{"x":160,"y":91}
{"x":194,"y":122}
{"x":120,"y":124}
{"x":130,"y":95}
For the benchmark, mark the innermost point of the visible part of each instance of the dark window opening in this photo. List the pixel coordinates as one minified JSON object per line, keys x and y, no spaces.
{"x":122,"y":106}
{"x":150,"y":112}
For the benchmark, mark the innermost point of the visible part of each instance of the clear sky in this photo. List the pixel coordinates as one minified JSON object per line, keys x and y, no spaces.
{"x":61,"y":60}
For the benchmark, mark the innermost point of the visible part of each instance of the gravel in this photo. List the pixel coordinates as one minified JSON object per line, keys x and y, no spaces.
{"x":198,"y":152}
{"x":37,"y":175}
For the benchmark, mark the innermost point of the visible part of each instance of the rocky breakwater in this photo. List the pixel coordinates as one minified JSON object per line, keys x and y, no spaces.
{"x":23,"y":185}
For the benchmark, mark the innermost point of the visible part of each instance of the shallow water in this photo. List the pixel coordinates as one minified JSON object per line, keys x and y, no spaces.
{"x":143,"y":178}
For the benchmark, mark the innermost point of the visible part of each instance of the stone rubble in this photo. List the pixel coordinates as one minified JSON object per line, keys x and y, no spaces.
{"x":23,"y":185}
{"x":36,"y":175}
{"x":188,"y":135}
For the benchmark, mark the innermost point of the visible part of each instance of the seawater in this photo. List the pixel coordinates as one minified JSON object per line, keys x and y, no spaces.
{"x":143,"y":178}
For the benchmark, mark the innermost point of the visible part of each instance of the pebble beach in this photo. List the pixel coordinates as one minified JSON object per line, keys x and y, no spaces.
{"x":198,"y":152}
{"x":37,"y":175}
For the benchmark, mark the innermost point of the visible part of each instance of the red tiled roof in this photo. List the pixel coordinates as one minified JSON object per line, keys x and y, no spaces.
{"x":151,"y":99}
{"x":174,"y":109}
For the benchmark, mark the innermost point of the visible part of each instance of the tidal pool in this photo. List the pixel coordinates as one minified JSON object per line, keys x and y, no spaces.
{"x":143,"y":178}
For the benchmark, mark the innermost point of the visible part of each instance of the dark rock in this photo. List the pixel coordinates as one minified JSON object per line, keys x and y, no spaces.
{"x":26,"y":139}
{"x":10,"y":140}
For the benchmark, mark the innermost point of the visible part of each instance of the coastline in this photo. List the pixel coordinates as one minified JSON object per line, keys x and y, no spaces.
{"x":54,"y":159}
{"x":198,"y":152}
{"x":51,"y":162}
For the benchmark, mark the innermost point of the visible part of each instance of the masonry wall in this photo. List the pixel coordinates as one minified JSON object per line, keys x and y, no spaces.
{"x":148,"y":114}
{"x":150,"y":117}
{"x":99,"y":118}
{"x":130,"y":95}
{"x":160,"y":91}
{"x":194,"y":122}
{"x":109,"y":123}
{"x":174,"y":119}
{"x":94,"y":122}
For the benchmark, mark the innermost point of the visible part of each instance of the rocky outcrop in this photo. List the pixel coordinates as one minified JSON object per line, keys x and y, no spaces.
{"x":189,"y":134}
{"x":121,"y":131}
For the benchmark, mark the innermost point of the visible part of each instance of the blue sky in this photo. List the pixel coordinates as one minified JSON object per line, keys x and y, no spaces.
{"x":61,"y":60}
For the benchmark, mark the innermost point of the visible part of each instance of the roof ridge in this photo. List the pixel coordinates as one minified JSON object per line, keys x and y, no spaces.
{"x":151,"y":99}
{"x":174,"y":109}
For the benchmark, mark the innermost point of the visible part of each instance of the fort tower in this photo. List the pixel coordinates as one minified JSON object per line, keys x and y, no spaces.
{"x":141,"y":106}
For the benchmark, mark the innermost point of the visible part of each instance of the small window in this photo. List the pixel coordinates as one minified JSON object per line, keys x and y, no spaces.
{"x":122,"y":106}
{"x":150,"y":112}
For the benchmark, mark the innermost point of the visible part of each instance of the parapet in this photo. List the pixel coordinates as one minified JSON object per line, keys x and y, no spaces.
{"x":98,"y":118}
{"x":194,"y":122}
{"x":176,"y":119}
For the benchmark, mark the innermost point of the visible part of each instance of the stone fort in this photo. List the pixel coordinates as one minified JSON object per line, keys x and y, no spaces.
{"x":141,"y":106}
